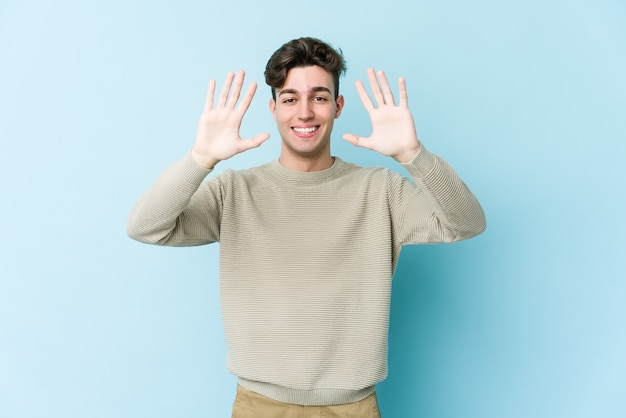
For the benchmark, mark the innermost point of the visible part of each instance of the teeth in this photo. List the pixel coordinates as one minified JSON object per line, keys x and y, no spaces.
{"x":305,"y":130}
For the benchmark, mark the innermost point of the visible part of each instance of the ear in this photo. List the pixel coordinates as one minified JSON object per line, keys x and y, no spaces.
{"x":273,"y":107}
{"x":340,"y":103}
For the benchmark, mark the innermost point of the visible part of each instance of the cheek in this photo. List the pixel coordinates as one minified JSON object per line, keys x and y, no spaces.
{"x":281,"y":117}
{"x":283,"y":114}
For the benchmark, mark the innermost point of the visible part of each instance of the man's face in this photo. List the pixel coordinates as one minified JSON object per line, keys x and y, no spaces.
{"x":305,"y":110}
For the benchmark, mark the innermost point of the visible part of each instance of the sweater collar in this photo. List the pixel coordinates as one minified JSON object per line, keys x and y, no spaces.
{"x":307,"y":176}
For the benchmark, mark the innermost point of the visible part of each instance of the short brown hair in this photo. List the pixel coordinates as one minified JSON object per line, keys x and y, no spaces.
{"x":303,"y":52}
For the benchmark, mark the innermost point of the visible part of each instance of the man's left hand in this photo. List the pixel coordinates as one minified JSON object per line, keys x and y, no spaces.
{"x":393,"y":129}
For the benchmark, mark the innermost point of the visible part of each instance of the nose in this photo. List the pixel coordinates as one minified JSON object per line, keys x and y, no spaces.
{"x":305,"y":112}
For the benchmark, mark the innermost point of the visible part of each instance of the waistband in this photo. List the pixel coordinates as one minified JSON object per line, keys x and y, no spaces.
{"x":312,"y":397}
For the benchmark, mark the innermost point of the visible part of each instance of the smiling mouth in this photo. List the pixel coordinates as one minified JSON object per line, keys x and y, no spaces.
{"x":306,"y":131}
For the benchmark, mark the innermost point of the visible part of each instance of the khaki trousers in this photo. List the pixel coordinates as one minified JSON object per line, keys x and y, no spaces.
{"x":249,"y":404}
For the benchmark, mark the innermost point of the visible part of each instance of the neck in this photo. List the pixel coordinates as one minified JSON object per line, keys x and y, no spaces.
{"x":297,"y":163}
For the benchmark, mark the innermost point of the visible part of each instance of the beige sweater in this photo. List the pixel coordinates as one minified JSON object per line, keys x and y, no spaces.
{"x":306,"y":261}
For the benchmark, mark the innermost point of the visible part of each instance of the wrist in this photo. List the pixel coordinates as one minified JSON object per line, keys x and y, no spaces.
{"x":203,"y":160}
{"x":408,"y":155}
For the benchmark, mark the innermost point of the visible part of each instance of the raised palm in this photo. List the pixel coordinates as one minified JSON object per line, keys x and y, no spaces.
{"x":393,"y":129}
{"x":217,"y":136}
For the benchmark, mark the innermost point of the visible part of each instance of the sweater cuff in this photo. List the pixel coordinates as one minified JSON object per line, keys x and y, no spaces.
{"x":422,"y":164}
{"x":191,"y":171}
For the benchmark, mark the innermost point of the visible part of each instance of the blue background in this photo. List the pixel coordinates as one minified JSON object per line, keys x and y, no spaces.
{"x":526,"y":99}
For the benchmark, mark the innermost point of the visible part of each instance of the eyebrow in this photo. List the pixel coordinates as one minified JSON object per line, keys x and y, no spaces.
{"x":313,"y":90}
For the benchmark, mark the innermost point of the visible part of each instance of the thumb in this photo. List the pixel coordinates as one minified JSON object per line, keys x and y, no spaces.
{"x":356,"y":140}
{"x":255,"y":141}
{"x":352,"y":138}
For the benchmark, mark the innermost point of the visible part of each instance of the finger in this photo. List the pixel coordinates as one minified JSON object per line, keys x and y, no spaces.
{"x":386,"y":90}
{"x":404,"y":97}
{"x":247,"y":99}
{"x":365,"y":98}
{"x":376,"y":91}
{"x":210,"y":96}
{"x":234,"y":95}
{"x":223,"y":99}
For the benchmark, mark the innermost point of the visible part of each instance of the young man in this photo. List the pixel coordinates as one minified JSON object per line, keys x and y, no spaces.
{"x":308,"y":242}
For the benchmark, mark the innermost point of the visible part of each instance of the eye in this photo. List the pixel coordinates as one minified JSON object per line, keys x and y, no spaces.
{"x":289,"y":100}
{"x":320,"y":99}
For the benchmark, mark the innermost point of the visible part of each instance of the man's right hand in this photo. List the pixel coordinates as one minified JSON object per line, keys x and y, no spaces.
{"x":217,"y":137}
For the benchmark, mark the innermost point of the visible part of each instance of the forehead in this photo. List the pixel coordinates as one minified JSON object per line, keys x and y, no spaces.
{"x":304,"y":79}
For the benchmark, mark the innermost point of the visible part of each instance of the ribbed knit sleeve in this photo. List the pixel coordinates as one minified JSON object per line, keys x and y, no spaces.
{"x":440,"y":209}
{"x":172,"y":213}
